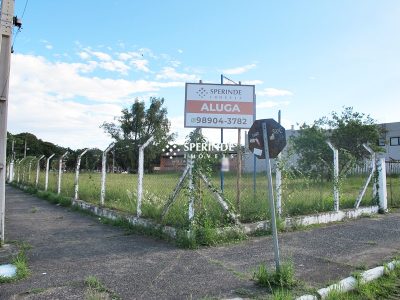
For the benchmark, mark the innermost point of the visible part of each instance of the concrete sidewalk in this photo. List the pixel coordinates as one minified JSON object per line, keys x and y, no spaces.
{"x":67,"y":247}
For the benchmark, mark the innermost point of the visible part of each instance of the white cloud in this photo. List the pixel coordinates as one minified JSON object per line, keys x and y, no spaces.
{"x":47,"y":44}
{"x":99,"y":55}
{"x":239,"y":70}
{"x":129,"y":55}
{"x":65,"y":123}
{"x":253,"y":82}
{"x":58,"y":102}
{"x":177,"y":127}
{"x":175,"y":63}
{"x":140,"y":64}
{"x":273,"y":92}
{"x":270,"y":104}
{"x":171,"y":74}
{"x":114,"y":66}
{"x":84,"y":55}
{"x":180,"y":51}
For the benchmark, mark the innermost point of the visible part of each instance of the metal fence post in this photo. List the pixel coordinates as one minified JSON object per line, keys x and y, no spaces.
{"x":191,"y":191}
{"x":19,"y":169}
{"x":140,"y":177}
{"x":38,"y":170}
{"x":103,"y":174}
{"x":60,"y":161}
{"x":278,"y":184}
{"x":382,"y":191}
{"x":46,"y":182}
{"x":371,"y":175}
{"x":335,"y":176}
{"x":78,"y":165}
{"x":30,"y":169}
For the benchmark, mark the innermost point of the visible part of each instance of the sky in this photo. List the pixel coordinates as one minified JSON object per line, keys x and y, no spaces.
{"x":77,"y":64}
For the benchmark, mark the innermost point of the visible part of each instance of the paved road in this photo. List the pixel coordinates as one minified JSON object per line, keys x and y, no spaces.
{"x":68,"y":246}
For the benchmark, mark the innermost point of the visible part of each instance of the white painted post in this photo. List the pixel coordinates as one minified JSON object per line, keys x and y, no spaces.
{"x":18,"y":169}
{"x":382,"y":191}
{"x":335,"y":176}
{"x":140,"y":177}
{"x":8,"y":172}
{"x":46,"y":182}
{"x":38,"y":170}
{"x":78,"y":165}
{"x":23,"y":172}
{"x":11,"y":175}
{"x":103,"y":174}
{"x":278,"y":184}
{"x":60,"y":161}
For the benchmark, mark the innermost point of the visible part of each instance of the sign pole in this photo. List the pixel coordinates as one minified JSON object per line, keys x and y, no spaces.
{"x":271,"y":197}
{"x":222,"y":141}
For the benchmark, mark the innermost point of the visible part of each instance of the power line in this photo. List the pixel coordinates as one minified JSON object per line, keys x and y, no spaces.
{"x":19,"y":28}
{"x":23,"y":12}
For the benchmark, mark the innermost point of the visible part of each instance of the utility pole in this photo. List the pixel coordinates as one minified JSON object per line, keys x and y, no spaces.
{"x":6,"y":26}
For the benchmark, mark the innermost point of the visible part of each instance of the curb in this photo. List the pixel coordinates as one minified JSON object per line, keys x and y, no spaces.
{"x":350,"y":283}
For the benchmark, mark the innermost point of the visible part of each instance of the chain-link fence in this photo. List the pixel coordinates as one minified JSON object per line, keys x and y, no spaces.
{"x":393,"y":183}
{"x":302,"y":191}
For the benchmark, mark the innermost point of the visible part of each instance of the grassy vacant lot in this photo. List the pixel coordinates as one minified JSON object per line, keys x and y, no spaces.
{"x":300,"y":195}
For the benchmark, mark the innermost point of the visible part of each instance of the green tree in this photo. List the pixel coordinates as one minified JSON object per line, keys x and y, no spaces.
{"x":347,"y":131}
{"x":134,"y":127}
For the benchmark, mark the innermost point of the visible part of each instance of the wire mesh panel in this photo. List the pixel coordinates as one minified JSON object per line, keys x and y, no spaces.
{"x":393,"y":182}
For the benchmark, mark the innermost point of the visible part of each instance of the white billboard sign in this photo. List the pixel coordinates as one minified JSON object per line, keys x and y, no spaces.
{"x":219,"y":105}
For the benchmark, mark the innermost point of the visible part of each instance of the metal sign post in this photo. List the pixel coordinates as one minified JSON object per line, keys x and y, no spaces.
{"x":271,"y":197}
{"x":266,"y":139}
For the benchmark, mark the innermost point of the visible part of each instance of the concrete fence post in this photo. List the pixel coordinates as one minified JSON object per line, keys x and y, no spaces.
{"x":382,"y":190}
{"x":60,"y":161}
{"x":7,"y":172}
{"x":11,"y":174}
{"x":46,"y":181}
{"x":38,"y":170}
{"x":103,"y":173}
{"x":23,"y":172}
{"x":18,"y":169}
{"x":140,"y":177}
{"x":335,"y":176}
{"x":78,"y":165}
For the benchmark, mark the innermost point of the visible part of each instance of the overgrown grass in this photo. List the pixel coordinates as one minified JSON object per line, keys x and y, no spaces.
{"x":20,"y":261}
{"x":284,"y":278}
{"x":97,"y":291}
{"x":300,"y":195}
{"x":386,"y":287}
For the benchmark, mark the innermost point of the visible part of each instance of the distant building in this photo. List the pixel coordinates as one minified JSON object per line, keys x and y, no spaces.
{"x":391,"y":141}
{"x":176,"y":161}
